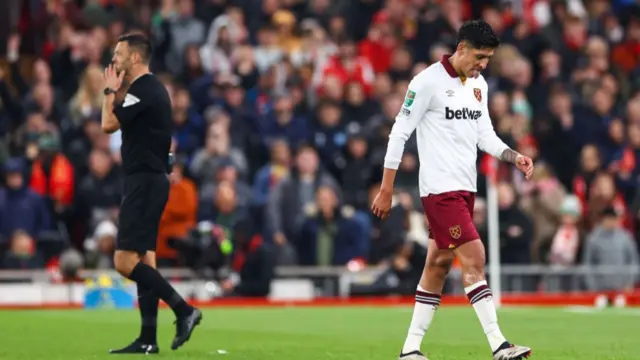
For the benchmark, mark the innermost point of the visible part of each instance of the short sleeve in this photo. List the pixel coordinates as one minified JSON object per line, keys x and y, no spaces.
{"x":134,"y":102}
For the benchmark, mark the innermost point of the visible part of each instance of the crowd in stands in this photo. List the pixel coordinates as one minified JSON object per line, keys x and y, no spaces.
{"x":282,"y":109}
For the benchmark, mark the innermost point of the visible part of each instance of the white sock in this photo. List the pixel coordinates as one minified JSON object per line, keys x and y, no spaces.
{"x":426,"y":305}
{"x":481,"y":298}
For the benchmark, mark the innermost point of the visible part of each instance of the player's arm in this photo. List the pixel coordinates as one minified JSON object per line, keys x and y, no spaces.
{"x":415,"y":105}
{"x":489,"y":142}
{"x":112,"y":82}
{"x":110,"y":123}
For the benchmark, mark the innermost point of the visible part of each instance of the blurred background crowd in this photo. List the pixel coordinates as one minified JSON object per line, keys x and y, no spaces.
{"x":282,"y":109}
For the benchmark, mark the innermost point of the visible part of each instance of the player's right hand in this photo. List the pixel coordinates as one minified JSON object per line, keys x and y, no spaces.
{"x":112,"y":79}
{"x":382,"y":204}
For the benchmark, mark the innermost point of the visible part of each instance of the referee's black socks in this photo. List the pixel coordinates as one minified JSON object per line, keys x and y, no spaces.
{"x":148,"y":304}
{"x":150,"y":278}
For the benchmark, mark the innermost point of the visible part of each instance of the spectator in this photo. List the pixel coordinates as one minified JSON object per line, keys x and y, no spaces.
{"x":100,"y":246}
{"x":356,"y":172}
{"x":225,"y":212}
{"x":285,"y":208}
{"x":218,"y":149}
{"x":357,"y":107}
{"x":252,"y":260}
{"x":100,"y":191}
{"x":187,"y":123}
{"x":20,"y":207}
{"x":282,"y":122}
{"x":179,"y":215}
{"x":609,"y":244}
{"x":330,"y":135}
{"x":228,"y":173}
{"x":224,"y":34}
{"x":87,"y":102}
{"x":346,"y":66}
{"x":541,"y":199}
{"x":567,"y":241}
{"x":270,"y":175}
{"x":604,"y":194}
{"x":330,"y":235}
{"x":52,"y":174}
{"x":22,"y":253}
{"x":590,"y":164}
{"x":268,"y":52}
{"x":515,"y":228}
{"x":180,"y":28}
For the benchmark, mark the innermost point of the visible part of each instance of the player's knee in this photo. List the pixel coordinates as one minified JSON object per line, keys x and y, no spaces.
{"x":124,"y":262}
{"x":475,"y":263}
{"x":441,"y":264}
{"x":472,"y":257}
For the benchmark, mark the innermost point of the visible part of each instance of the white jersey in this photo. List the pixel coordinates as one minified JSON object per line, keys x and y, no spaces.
{"x":452,"y":121}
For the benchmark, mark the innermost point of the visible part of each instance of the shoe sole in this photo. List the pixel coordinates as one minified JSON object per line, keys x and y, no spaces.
{"x":116,"y":352}
{"x":135,"y":353}
{"x":186,"y":338}
{"x":523,"y":356}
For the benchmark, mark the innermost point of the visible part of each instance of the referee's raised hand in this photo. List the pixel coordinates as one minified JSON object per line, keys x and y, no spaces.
{"x":112,"y":79}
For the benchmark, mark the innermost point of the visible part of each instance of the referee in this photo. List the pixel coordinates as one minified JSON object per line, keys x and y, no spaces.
{"x":144,"y":117}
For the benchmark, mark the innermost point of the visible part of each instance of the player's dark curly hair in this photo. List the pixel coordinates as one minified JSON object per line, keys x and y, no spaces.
{"x":479,"y":34}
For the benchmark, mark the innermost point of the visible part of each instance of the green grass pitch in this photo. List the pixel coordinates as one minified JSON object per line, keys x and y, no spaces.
{"x":342,"y":333}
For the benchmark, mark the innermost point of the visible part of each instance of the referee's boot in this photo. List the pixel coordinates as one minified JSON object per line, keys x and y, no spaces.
{"x":184,"y":328}
{"x":137,"y":347}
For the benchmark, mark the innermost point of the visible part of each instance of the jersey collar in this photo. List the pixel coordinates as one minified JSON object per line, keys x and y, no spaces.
{"x":139,"y":76}
{"x":447,"y":66}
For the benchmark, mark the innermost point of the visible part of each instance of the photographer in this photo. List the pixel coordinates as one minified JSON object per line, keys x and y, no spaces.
{"x":225,"y":245}
{"x":252,"y":261}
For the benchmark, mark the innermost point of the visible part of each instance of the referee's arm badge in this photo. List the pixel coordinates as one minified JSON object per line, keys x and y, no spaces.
{"x":130,"y":108}
{"x":130,"y":100}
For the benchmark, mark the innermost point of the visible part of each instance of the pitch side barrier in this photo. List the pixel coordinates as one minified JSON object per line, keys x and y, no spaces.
{"x":523,"y":285}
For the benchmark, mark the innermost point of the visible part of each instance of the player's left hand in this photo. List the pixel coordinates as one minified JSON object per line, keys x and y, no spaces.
{"x":112,"y":79}
{"x":382,"y":204}
{"x":525,"y":164}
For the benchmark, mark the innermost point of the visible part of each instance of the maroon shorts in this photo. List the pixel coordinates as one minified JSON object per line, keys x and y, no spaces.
{"x":450,"y":218}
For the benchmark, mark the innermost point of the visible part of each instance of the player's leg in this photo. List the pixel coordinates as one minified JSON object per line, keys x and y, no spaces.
{"x":139,"y":218}
{"x":472,"y":261}
{"x":471,"y":253}
{"x":428,"y":296}
{"x":148,"y":306}
{"x":156,"y":202}
{"x":146,"y":342}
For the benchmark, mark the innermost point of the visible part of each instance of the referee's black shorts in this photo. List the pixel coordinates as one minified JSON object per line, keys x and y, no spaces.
{"x":145,"y":196}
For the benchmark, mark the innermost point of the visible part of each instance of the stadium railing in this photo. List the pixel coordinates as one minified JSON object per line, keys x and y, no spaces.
{"x":35,"y":287}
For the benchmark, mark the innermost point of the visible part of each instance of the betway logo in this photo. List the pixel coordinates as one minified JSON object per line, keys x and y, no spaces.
{"x":462,"y":114}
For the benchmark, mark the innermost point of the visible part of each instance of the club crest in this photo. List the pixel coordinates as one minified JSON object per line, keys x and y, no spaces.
{"x":455,"y":232}
{"x":478,"y":94}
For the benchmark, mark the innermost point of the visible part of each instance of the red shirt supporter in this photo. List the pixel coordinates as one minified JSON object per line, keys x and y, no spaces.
{"x":347,"y":66}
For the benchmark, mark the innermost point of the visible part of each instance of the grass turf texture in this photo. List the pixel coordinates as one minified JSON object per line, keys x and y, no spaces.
{"x":321,"y":333}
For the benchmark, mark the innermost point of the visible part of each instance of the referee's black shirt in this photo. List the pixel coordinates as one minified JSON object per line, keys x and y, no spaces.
{"x":145,"y":123}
